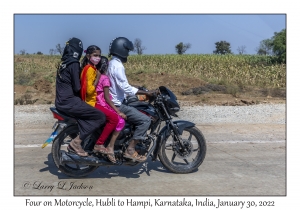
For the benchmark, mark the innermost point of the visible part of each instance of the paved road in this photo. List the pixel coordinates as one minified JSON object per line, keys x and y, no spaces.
{"x":241,"y":160}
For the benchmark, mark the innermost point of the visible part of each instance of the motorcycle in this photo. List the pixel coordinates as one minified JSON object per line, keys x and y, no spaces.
{"x":179,"y":145}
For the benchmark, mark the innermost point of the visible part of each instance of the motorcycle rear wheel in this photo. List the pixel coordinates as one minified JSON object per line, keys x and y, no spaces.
{"x":179,"y":162}
{"x":61,"y":143}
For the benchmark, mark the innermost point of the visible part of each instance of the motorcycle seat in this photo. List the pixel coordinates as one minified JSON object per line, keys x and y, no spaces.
{"x":65,"y":116}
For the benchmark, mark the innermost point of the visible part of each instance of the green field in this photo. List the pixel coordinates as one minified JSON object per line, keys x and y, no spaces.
{"x":241,"y":70}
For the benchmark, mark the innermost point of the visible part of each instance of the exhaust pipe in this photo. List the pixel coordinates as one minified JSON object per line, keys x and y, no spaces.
{"x":71,"y":158}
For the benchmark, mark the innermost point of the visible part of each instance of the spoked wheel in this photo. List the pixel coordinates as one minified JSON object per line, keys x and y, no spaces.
{"x":60,"y":144}
{"x":174,"y":158}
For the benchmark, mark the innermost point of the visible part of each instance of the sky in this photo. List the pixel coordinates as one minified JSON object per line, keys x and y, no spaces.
{"x":159,"y":33}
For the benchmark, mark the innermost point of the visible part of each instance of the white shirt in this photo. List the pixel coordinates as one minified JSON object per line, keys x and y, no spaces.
{"x":119,"y":84}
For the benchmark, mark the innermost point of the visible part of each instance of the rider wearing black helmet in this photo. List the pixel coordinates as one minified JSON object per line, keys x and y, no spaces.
{"x":119,"y":50}
{"x":120,"y":47}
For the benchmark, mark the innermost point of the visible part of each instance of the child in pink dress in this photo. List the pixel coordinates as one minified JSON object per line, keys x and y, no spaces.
{"x":114,"y":118}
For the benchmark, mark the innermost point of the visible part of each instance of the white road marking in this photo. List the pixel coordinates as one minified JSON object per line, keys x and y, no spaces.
{"x":31,"y":145}
{"x":251,"y":142}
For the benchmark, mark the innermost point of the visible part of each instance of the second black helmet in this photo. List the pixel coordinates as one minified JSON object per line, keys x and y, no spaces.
{"x":120,"y":47}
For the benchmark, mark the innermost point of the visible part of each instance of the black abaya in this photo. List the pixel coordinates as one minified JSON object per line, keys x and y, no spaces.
{"x":68,"y":101}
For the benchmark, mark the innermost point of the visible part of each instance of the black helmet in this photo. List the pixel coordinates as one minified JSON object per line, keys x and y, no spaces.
{"x":120,"y":47}
{"x":72,"y":52}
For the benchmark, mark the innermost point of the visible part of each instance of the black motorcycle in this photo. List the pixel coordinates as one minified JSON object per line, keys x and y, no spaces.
{"x":180,"y":146}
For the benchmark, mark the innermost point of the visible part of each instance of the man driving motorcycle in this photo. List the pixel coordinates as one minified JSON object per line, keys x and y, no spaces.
{"x":119,"y":50}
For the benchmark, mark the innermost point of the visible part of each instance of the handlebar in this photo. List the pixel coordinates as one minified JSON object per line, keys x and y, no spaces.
{"x":142,"y":88}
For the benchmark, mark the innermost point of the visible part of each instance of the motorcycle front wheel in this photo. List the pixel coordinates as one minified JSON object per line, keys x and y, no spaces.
{"x":61,"y":143}
{"x":178,"y":161}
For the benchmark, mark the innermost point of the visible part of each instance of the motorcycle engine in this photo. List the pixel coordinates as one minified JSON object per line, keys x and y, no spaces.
{"x":141,"y":148}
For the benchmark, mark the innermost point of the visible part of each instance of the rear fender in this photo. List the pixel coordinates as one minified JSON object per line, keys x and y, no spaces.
{"x":62,"y":117}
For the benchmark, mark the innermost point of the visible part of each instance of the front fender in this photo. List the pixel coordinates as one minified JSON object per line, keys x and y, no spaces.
{"x":165,"y":133}
{"x":182,"y":124}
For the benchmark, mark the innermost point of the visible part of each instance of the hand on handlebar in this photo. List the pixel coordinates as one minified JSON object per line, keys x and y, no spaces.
{"x":142,"y":88}
{"x":152,"y":93}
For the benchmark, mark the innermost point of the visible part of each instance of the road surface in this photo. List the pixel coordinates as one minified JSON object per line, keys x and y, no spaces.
{"x":241,"y":159}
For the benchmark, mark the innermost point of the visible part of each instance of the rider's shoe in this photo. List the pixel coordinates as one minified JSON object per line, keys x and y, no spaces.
{"x":100,"y":148}
{"x":135,"y":157}
{"x":75,"y":145}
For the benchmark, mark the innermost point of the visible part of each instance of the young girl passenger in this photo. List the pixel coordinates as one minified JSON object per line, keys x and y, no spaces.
{"x":89,"y":81}
{"x":115,"y":118}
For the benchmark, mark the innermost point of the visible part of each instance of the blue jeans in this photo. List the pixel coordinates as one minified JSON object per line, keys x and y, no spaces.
{"x":140,"y":120}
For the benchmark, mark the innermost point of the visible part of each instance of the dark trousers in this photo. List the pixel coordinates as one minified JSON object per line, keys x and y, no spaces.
{"x":140,"y":120}
{"x":89,"y":118}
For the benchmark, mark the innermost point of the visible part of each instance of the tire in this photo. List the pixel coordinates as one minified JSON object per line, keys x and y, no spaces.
{"x":60,"y":143}
{"x":178,"y":163}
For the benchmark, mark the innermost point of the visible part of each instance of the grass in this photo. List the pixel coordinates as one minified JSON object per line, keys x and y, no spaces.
{"x":236,"y":72}
{"x":29,"y":68}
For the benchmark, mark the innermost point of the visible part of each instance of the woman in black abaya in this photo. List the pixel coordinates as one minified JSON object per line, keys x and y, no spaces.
{"x":68,"y":95}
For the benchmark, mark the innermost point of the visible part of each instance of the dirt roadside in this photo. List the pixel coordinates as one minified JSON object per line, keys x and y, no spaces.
{"x":189,"y":91}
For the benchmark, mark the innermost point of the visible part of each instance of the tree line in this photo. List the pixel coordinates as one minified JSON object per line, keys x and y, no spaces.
{"x":58,"y":50}
{"x":274,"y":46}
